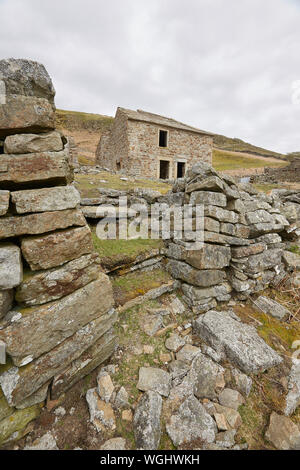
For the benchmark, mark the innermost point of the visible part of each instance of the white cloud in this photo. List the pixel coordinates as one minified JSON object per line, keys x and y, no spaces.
{"x":223,"y":65}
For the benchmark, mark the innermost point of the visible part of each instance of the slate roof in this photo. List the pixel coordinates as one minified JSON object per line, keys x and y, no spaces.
{"x":144,"y":116}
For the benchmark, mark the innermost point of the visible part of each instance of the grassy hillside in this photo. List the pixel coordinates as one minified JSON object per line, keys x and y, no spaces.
{"x":238,"y":145}
{"x":224,"y":160}
{"x":74,"y":120}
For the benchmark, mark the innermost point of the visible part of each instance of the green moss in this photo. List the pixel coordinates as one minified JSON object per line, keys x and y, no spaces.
{"x":17,"y":422}
{"x":294,"y":249}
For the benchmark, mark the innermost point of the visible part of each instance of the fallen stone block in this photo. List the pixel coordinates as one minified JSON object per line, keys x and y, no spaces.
{"x":32,"y":332}
{"x":146,"y":421}
{"x":271,"y":307}
{"x":154,"y":379}
{"x":240,"y":342}
{"x":4,"y":201}
{"x":11,"y":269}
{"x":117,"y":443}
{"x":206,"y":376}
{"x":34,"y":224}
{"x":283,"y":433}
{"x":46,"y":199}
{"x":46,"y":286}
{"x":191,"y":422}
{"x":46,"y":442}
{"x":55,"y":249}
{"x":101,"y":414}
{"x":33,"y":143}
{"x":20,"y":383}
{"x":231,"y":398}
{"x":36,"y":169}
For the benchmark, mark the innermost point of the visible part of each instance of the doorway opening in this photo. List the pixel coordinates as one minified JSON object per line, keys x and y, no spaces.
{"x":180,"y":169}
{"x":164,"y":169}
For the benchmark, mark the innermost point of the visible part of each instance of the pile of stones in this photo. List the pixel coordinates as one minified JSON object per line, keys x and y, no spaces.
{"x":56,"y":304}
{"x":244,"y":239}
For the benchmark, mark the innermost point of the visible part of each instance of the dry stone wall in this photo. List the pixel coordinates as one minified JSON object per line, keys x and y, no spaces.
{"x":245,"y":235}
{"x":56,"y":304}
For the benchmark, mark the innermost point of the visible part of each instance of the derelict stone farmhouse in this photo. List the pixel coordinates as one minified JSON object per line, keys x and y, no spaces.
{"x":153,"y":146}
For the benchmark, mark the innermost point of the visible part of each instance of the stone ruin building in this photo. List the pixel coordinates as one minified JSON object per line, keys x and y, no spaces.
{"x":149,"y":145}
{"x":289,"y":173}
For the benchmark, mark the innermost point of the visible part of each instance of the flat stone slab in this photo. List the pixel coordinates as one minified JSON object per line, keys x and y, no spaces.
{"x":271,"y":307}
{"x":146,"y":422}
{"x":45,"y":199}
{"x":32,"y":143}
{"x":154,"y":379}
{"x":240,"y":342}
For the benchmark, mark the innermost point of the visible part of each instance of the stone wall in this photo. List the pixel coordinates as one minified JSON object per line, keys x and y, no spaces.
{"x":56,"y":304}
{"x":289,"y":173}
{"x":133,"y":148}
{"x":244,"y":239}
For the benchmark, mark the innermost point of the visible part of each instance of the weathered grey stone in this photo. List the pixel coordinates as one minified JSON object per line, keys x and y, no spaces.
{"x":209,"y":257}
{"x":26,"y":114}
{"x":26,"y":78}
{"x":117,"y":443}
{"x":154,"y":379}
{"x":34,"y":224}
{"x":199,"y":172}
{"x":19,"y":384}
{"x":244,"y":251}
{"x":55,"y":249}
{"x":271,"y":307}
{"x":178,"y":369}
{"x":33,"y":143}
{"x":37,"y":397}
{"x":44,"y":327}
{"x":208,"y":198}
{"x":291,"y":260}
{"x":207,"y":377}
{"x":152,"y":324}
{"x":226,"y":439}
{"x":4,"y":201}
{"x":213,"y":183}
{"x":233,"y":418}
{"x":11,"y":269}
{"x":46,"y":286}
{"x":240,"y":342}
{"x":191,"y":422}
{"x":236,"y":205}
{"x":261,"y":262}
{"x":222,"y":215}
{"x":186,"y":273}
{"x":121,"y":400}
{"x":210,"y":352}
{"x":242,"y":382}
{"x":174,"y":342}
{"x":47,"y":199}
{"x":101,"y":414}
{"x":293,"y":396}
{"x":91,"y":358}
{"x":231,"y":398}
{"x":6,"y":300}
{"x":187,"y":353}
{"x":105,"y":387}
{"x":283,"y":433}
{"x":197,"y":294}
{"x":219,"y":238}
{"x":146,"y":422}
{"x":211,"y":225}
{"x":46,"y":442}
{"x":38,"y":169}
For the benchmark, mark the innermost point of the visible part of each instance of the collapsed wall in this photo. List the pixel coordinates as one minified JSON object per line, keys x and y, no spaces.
{"x":56,"y":304}
{"x":289,"y":173}
{"x":244,"y":238}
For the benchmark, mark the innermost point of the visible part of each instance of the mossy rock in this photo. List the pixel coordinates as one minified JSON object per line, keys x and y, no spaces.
{"x":14,"y":424}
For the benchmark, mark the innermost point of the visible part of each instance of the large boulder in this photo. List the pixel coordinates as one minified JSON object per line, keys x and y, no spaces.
{"x":240,"y":342}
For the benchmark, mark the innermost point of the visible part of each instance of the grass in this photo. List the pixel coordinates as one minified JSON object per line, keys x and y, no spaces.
{"x":135,"y":284}
{"x":77,"y":120}
{"x":294,"y":249}
{"x":225,"y":160}
{"x":238,"y":145}
{"x":88,"y":185}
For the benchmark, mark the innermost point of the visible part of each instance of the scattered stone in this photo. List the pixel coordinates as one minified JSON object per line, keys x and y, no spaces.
{"x":214,"y":355}
{"x":117,"y":443}
{"x":271,"y":307}
{"x":174,"y":342}
{"x":221,"y":421}
{"x":232,"y":416}
{"x":293,"y":396}
{"x":165,"y":358}
{"x":60,"y":411}
{"x":231,"y":398}
{"x":146,"y":422}
{"x":11,"y":269}
{"x":105,"y":387}
{"x":191,"y":422}
{"x":127,"y":415}
{"x":154,"y":379}
{"x":46,"y":442}
{"x":121,"y":400}
{"x":207,"y":377}
{"x":283,"y":433}
{"x":242,"y":382}
{"x":187,"y":353}
{"x":152,"y":324}
{"x":101,"y":413}
{"x":226,"y":439}
{"x":240,"y":342}
{"x":147,"y":349}
{"x":177,"y":306}
{"x":178,"y":369}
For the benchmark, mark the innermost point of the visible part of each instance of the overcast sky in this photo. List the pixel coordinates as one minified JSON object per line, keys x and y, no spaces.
{"x":227,"y":66}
